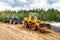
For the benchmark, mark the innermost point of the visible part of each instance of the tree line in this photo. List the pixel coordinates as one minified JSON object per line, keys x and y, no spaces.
{"x":49,"y":15}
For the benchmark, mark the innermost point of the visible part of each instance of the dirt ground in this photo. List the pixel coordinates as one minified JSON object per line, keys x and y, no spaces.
{"x":18,"y":32}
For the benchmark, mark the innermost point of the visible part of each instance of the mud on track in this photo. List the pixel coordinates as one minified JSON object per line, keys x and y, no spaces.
{"x":17,"y":32}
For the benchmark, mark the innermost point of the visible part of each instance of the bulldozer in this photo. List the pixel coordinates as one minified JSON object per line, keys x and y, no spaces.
{"x":32,"y":22}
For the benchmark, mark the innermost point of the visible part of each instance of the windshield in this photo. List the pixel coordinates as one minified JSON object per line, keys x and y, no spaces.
{"x":34,"y":17}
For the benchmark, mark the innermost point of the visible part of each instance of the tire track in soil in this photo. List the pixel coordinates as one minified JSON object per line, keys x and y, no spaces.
{"x":52,"y":36}
{"x":11,"y":35}
{"x":24,"y":34}
{"x":32,"y":33}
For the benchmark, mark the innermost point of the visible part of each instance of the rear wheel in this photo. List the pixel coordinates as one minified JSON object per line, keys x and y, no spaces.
{"x":20,"y":22}
{"x":26,"y":24}
{"x":14,"y":22}
{"x":11,"y":22}
{"x":33,"y":27}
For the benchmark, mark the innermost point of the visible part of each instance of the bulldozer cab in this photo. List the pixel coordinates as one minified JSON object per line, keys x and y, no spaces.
{"x":33,"y":16}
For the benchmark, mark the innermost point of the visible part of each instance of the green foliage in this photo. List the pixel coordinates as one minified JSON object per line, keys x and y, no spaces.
{"x":49,"y":15}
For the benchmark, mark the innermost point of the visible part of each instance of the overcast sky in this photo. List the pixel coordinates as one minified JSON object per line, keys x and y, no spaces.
{"x":29,"y":4}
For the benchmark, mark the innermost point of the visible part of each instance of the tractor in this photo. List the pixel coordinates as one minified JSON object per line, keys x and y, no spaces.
{"x":32,"y":22}
{"x":13,"y":19}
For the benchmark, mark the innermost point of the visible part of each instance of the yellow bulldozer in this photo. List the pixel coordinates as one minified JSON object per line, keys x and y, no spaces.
{"x":32,"y":22}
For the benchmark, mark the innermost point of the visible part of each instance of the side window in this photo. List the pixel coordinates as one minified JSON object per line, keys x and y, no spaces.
{"x":32,"y":17}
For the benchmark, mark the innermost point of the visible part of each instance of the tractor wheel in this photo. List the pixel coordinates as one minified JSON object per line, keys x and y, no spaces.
{"x":33,"y":27}
{"x":21,"y":22}
{"x":11,"y":22}
{"x":14,"y":22}
{"x":26,"y":24}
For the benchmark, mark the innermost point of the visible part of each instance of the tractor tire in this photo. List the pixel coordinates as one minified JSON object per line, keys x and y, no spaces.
{"x":11,"y":22}
{"x":21,"y":22}
{"x":26,"y":24}
{"x":33,"y":27}
{"x":14,"y":22}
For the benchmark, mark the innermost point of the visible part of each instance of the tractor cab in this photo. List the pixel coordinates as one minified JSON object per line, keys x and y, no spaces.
{"x":33,"y":17}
